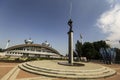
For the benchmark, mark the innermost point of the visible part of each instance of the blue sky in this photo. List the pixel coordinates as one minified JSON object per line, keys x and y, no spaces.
{"x":47,"y":20}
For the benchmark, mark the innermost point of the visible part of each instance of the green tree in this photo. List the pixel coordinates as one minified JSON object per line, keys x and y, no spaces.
{"x":100,"y":44}
{"x":78,"y":48}
{"x":1,"y":49}
{"x":89,"y":51}
{"x":117,"y":59}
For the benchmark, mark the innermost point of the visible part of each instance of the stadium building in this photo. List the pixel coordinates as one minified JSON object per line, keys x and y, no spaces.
{"x":29,"y":49}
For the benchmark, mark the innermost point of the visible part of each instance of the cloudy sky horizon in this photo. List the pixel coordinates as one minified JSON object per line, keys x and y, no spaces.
{"x":47,"y":20}
{"x":109,"y":23}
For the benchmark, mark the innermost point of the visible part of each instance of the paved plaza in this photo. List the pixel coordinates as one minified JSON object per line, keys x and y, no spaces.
{"x":10,"y":71}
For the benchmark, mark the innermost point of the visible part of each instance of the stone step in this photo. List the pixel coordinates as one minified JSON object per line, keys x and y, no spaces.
{"x":80,"y":71}
{"x":44,"y":72}
{"x":105,"y":70}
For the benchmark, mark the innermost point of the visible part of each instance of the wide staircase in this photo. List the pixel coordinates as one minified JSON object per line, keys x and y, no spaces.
{"x":67,"y":73}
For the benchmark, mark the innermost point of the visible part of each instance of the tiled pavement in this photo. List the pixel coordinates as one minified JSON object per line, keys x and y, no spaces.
{"x":22,"y":75}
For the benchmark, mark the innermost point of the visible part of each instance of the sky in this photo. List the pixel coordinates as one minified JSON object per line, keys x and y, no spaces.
{"x":43,"y":20}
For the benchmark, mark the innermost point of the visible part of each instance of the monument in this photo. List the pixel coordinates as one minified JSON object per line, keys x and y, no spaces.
{"x":70,"y":43}
{"x":67,"y":69}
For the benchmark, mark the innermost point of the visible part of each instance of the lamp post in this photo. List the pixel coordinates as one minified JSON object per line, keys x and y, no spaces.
{"x":70,"y":43}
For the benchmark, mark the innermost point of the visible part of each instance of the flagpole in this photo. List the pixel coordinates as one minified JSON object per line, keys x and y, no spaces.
{"x":81,"y":39}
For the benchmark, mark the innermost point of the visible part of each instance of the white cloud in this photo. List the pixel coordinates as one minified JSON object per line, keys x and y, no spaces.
{"x":109,"y":23}
{"x":112,"y":2}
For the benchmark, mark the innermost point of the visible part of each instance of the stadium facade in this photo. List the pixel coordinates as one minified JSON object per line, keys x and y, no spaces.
{"x":29,"y":49}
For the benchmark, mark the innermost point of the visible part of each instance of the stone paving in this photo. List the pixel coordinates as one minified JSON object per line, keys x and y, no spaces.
{"x":5,"y":68}
{"x":22,"y":75}
{"x":4,"y":71}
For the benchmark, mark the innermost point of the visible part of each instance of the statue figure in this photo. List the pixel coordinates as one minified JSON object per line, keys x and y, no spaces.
{"x":70,"y":24}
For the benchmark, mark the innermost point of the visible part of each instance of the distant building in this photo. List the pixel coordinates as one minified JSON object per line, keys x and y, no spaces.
{"x":29,"y":49}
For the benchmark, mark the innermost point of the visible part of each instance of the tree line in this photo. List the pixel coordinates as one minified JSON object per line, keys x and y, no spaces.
{"x":90,"y":50}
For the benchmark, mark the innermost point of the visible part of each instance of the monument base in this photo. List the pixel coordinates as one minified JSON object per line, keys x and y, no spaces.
{"x":73,"y":64}
{"x":51,"y":68}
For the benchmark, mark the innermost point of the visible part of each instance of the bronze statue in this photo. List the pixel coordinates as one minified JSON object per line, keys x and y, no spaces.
{"x":70,"y":24}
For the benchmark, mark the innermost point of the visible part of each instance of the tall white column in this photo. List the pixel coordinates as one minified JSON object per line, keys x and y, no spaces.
{"x":70,"y":47}
{"x":70,"y":43}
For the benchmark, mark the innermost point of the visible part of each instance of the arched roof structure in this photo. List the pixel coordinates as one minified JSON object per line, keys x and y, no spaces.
{"x":39,"y":46}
